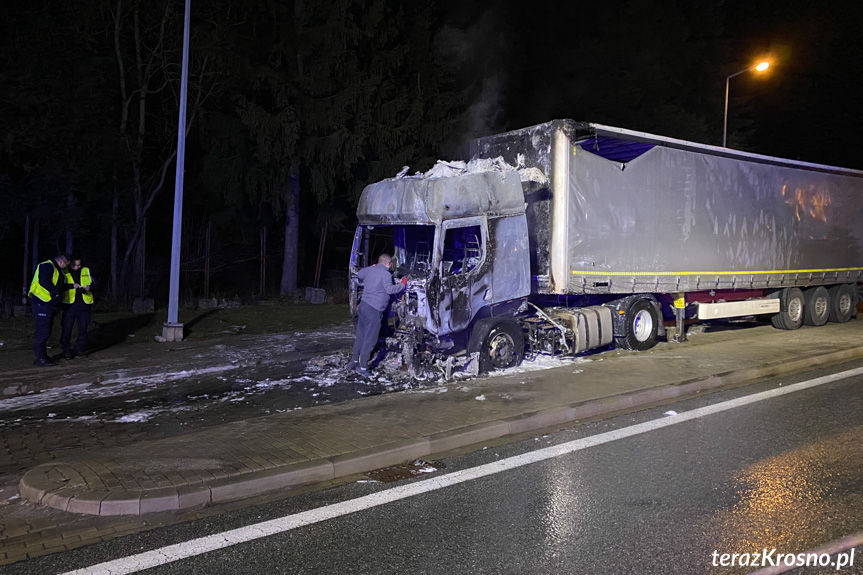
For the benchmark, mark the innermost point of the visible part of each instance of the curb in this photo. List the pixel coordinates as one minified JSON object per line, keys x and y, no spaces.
{"x":42,"y":485}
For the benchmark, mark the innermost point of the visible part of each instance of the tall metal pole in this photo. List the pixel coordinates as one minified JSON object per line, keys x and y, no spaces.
{"x":172,"y":330}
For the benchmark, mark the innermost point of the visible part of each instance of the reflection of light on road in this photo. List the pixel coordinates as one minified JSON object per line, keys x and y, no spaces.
{"x":564,"y":514}
{"x":795,"y":488}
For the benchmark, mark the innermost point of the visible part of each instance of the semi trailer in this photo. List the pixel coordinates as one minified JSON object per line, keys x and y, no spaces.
{"x":570,"y":236}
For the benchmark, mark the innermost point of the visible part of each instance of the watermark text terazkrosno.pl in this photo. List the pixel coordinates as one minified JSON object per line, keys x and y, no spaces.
{"x":772,"y":558}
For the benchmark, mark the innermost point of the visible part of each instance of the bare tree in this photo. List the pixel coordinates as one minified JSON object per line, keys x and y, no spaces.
{"x":147,"y":38}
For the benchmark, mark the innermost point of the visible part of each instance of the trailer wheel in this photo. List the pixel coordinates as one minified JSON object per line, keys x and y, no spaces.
{"x":499,"y":341}
{"x":793,"y":302}
{"x":842,"y":303}
{"x":641,"y":324}
{"x":816,"y":306}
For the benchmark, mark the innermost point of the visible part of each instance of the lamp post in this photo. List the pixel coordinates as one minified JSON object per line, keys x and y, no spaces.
{"x":758,"y":68}
{"x":172,"y":330}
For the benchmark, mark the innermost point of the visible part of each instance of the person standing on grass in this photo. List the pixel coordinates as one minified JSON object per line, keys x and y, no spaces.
{"x":378,"y":286}
{"x":77,"y":302}
{"x":45,"y":290}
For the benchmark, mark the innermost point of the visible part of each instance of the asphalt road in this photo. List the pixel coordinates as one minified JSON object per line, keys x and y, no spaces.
{"x":783,"y":473}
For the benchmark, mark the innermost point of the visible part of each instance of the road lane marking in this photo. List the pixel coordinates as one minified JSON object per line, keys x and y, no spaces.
{"x":202,"y":545}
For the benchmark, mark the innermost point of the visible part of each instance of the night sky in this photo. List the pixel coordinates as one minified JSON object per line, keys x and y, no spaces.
{"x":660,"y":67}
{"x":355,"y":89}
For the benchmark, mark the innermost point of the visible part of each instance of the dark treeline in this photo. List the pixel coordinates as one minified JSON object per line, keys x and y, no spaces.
{"x":295,"y":105}
{"x":292,"y":107}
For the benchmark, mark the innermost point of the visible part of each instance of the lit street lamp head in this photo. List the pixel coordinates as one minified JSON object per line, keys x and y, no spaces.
{"x":756,"y":68}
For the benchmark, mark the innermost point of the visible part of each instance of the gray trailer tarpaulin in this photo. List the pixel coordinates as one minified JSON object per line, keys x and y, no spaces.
{"x":631,"y":212}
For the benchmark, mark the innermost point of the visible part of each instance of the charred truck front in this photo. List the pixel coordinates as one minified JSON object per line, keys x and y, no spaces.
{"x":463,"y":243}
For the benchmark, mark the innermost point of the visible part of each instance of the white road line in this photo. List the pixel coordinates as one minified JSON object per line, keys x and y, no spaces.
{"x":201,"y":545}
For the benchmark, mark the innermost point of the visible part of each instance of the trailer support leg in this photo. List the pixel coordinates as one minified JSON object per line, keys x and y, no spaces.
{"x":680,"y":316}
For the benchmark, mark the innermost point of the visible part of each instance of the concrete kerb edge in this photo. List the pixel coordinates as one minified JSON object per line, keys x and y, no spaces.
{"x":156,"y":500}
{"x":87,"y":503}
{"x":252,"y":484}
{"x":121,"y":503}
{"x":259,"y":482}
{"x":34,"y":492}
{"x":377,"y":457}
{"x":468,"y":435}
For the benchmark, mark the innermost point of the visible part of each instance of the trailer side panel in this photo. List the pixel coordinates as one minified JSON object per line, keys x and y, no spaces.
{"x":673,"y":220}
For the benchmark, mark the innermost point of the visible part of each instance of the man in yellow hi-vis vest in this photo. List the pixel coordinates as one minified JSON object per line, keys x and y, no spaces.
{"x":45,"y":290}
{"x":77,"y":301}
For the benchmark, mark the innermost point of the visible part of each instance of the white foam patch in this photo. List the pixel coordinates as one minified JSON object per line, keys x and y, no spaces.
{"x":314,"y":375}
{"x":145,"y":415}
{"x":75,"y":393}
{"x":325,"y":375}
{"x":542,"y":362}
{"x":450,"y":169}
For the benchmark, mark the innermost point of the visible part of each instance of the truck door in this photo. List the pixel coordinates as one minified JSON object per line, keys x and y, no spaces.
{"x":359,"y":259}
{"x":462,"y":258}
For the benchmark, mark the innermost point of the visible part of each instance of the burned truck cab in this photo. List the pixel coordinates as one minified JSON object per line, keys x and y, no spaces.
{"x":461,"y":240}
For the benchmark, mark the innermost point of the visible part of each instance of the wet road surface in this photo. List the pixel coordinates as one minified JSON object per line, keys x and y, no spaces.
{"x":784,"y":473}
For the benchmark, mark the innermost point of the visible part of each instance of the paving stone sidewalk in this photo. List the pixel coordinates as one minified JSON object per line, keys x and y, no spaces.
{"x":252,"y":457}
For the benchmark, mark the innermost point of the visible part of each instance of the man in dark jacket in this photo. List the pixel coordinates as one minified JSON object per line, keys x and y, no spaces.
{"x":45,"y":291}
{"x":77,"y":301}
{"x":378,"y":286}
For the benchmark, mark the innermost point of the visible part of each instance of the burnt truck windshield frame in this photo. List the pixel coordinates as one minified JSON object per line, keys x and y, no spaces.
{"x":412,"y":246}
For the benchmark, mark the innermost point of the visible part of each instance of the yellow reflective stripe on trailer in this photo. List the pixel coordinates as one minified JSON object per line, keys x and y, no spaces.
{"x":711,"y":273}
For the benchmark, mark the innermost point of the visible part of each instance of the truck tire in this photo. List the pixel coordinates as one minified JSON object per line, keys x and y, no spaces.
{"x":816,"y":306}
{"x":499,"y":341}
{"x":641,"y":324}
{"x":792,"y":303}
{"x":843,"y":301}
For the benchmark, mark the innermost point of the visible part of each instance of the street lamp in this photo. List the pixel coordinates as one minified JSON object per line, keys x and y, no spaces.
{"x":756,"y":68}
{"x":172,"y":330}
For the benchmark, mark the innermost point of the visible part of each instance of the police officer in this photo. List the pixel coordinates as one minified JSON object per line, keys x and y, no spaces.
{"x":77,"y":302}
{"x":45,"y":289}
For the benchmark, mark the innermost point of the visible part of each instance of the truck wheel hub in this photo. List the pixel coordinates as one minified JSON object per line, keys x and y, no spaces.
{"x":642,"y":325}
{"x":501,"y":349}
{"x":821,"y":307}
{"x":795,"y":309}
